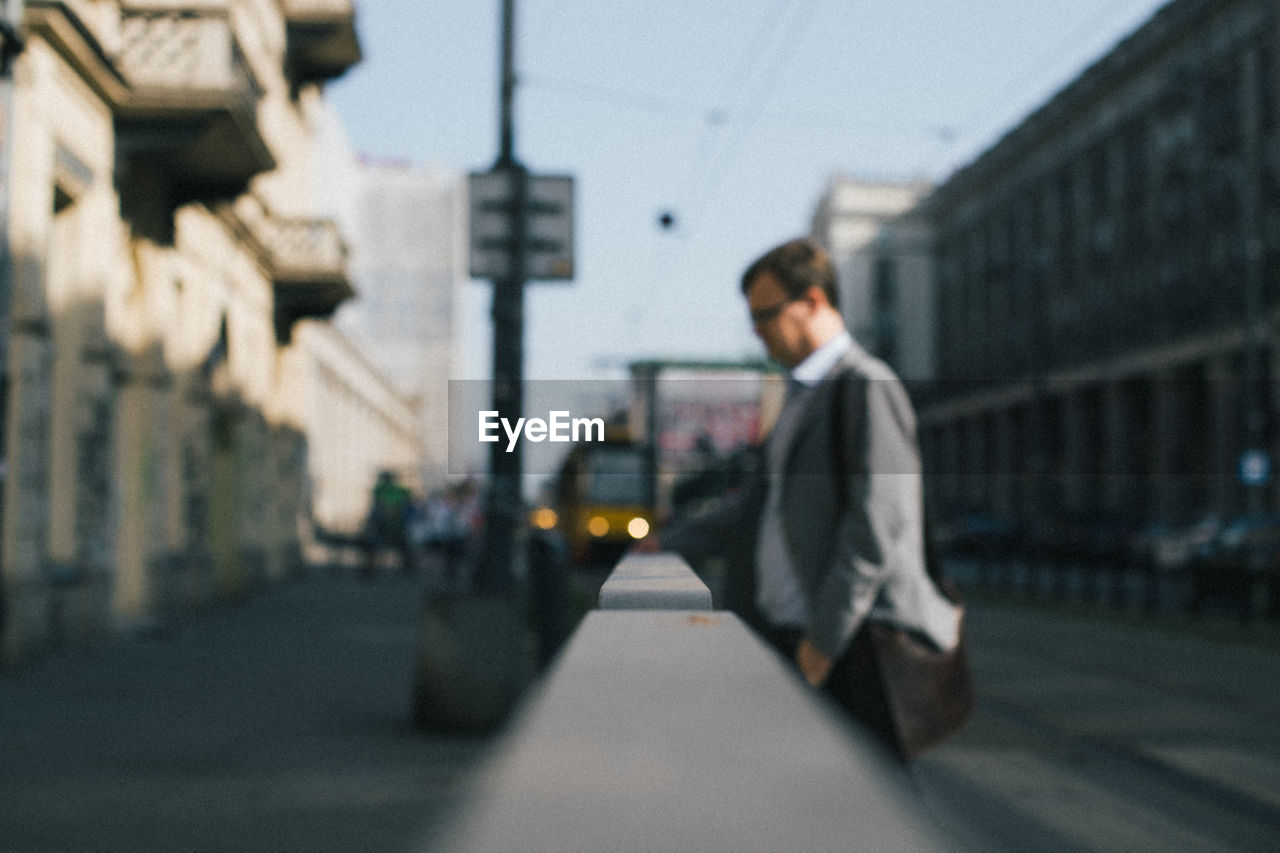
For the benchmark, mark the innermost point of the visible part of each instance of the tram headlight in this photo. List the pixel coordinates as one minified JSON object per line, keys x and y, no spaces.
{"x":637,"y":528}
{"x":598,"y":526}
{"x":544,"y":518}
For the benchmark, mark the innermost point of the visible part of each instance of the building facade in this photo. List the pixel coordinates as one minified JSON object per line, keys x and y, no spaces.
{"x":1107,"y":279}
{"x":408,"y":242}
{"x":357,"y":424}
{"x":883,"y":254}
{"x":162,"y":246}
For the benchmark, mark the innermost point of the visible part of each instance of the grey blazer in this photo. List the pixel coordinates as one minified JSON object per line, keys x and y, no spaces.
{"x":853,"y":523}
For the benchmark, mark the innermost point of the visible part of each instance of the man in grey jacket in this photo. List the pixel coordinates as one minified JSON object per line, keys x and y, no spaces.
{"x":830,"y":532}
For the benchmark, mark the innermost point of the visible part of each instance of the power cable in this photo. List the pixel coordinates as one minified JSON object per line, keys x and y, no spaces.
{"x":732,"y":110}
{"x":617,"y":96}
{"x":712,"y":164}
{"x":717,"y":169}
{"x":1106,"y":12}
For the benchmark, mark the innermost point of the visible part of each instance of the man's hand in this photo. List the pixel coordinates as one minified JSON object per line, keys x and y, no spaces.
{"x":814,"y":665}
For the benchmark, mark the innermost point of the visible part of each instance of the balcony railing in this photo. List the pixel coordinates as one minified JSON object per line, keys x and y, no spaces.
{"x":322,"y":40}
{"x":191,"y":105}
{"x":306,"y":259}
{"x":76,"y":41}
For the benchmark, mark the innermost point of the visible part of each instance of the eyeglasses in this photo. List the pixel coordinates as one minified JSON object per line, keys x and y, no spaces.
{"x":763,"y":315}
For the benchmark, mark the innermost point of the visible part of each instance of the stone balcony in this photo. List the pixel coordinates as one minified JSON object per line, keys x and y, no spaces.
{"x":190,"y":109}
{"x":306,"y":259}
{"x":322,"y":40}
{"x":78,"y":42}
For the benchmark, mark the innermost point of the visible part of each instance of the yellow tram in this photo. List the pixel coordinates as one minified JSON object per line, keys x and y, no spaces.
{"x":603,"y":501}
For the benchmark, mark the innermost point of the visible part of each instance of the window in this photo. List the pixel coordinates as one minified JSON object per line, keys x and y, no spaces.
{"x":885,"y":308}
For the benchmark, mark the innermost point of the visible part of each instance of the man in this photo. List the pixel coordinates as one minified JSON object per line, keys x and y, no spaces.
{"x":387,"y":525}
{"x":832,"y":528}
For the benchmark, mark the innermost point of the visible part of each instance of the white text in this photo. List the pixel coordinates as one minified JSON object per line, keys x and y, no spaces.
{"x":558,"y":427}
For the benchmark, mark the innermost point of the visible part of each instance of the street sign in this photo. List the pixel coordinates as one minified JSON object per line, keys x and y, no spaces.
{"x":548,"y":239}
{"x":1255,"y":467}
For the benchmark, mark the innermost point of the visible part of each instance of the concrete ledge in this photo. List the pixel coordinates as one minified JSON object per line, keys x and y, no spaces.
{"x":654,"y":582}
{"x":680,"y":730}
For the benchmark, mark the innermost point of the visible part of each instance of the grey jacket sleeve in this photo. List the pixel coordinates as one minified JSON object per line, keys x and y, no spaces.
{"x":879,"y":525}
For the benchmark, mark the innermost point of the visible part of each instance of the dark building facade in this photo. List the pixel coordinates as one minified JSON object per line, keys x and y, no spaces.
{"x":1107,"y":278}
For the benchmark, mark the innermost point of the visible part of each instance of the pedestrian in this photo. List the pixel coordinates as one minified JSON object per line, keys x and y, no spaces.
{"x":827,"y":539}
{"x":387,"y":525}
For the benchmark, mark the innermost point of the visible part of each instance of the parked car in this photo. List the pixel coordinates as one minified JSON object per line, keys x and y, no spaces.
{"x":1243,"y":557}
{"x":1166,"y":546}
{"x":1090,"y":540}
{"x":1248,"y":543}
{"x":979,"y":535}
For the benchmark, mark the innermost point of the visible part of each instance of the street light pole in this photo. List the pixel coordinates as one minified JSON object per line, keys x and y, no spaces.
{"x":472,"y":680}
{"x":507,"y":88}
{"x":1249,"y":201}
{"x":503,"y":504}
{"x":1258,"y":397}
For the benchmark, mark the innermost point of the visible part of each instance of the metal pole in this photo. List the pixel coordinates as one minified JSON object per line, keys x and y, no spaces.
{"x":504,"y":502}
{"x":1256,"y":393}
{"x":507,"y":88}
{"x":1249,"y":200}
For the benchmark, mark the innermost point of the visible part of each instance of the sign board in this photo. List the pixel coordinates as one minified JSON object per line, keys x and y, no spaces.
{"x":548,"y":243}
{"x":1255,"y":468}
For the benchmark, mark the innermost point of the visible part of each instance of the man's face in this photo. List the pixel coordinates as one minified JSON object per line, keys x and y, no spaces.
{"x":779,"y":321}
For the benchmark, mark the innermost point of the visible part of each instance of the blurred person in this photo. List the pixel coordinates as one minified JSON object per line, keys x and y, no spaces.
{"x":451,"y":526}
{"x":828,"y":536}
{"x":387,"y":526}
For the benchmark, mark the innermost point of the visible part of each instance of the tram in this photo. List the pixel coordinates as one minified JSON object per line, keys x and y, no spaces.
{"x":603,"y":500}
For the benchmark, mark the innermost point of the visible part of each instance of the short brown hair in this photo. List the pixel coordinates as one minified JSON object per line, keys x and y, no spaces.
{"x":797,"y":265}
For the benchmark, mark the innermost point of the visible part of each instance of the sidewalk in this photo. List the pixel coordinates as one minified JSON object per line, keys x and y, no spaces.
{"x":281,"y":723}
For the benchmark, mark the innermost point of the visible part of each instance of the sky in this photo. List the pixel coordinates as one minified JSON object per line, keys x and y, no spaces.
{"x":731,"y":115}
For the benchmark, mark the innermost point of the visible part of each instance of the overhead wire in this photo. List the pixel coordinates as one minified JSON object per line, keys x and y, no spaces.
{"x":744,"y":98}
{"x":725,"y":108}
{"x":616,"y":96}
{"x":713,"y":168}
{"x":745,"y":95}
{"x":980,"y":119}
{"x":731,"y":116}
{"x":710,"y":164}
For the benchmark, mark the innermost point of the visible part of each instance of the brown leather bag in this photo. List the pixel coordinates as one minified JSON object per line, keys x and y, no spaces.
{"x":930,"y":692}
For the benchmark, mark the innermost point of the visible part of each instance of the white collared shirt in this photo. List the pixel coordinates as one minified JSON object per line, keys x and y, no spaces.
{"x":819,"y":362}
{"x":778,"y":595}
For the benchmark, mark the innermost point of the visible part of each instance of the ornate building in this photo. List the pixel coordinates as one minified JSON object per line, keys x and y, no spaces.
{"x":162,"y":247}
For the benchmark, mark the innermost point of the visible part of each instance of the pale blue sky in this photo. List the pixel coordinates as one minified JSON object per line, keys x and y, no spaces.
{"x":732,"y":114}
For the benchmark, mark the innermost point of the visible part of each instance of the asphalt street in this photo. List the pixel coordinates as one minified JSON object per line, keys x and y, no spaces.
{"x":1095,"y":733}
{"x":281,"y":723}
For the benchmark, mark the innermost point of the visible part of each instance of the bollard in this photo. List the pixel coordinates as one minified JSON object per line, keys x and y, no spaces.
{"x":548,"y":593}
{"x":473,"y":663}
